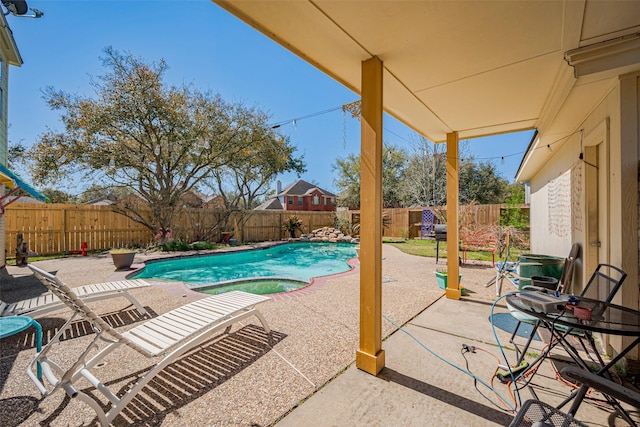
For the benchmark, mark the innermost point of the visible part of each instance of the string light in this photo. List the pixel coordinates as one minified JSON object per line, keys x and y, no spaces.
{"x":548,"y":147}
{"x":308,"y":116}
{"x":502,"y":158}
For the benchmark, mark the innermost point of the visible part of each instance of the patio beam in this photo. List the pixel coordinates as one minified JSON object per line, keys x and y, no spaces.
{"x":370,"y":355}
{"x":453,"y":284}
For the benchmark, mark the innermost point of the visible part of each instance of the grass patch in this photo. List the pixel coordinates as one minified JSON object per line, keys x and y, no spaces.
{"x":427,"y":248}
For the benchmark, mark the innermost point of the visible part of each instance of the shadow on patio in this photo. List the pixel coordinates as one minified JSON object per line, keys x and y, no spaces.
{"x":180,"y":383}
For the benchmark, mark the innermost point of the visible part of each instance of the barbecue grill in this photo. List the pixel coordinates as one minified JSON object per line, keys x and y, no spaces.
{"x":440,"y":236}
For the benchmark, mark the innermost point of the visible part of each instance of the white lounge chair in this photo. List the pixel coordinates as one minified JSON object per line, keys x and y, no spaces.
{"x":48,"y":302}
{"x":167,"y":336}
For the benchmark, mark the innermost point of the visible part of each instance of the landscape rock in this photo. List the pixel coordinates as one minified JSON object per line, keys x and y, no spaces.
{"x":328,"y":234}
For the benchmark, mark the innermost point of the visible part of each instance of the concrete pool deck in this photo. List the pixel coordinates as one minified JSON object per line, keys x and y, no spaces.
{"x":305,"y":375}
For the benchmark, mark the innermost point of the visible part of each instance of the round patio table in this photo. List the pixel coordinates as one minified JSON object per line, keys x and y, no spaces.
{"x":12,"y":325}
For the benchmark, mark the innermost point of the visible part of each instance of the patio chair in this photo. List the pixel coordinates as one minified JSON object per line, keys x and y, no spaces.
{"x":48,"y":302}
{"x":608,"y":284}
{"x":167,"y":337}
{"x":428,"y":221}
{"x":535,"y":412}
{"x":505,"y":269}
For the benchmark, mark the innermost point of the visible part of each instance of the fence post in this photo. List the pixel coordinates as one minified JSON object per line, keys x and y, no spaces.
{"x":64,"y":230}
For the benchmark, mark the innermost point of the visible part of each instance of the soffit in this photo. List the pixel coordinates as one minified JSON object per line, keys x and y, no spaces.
{"x":8,"y":45}
{"x":604,"y":20}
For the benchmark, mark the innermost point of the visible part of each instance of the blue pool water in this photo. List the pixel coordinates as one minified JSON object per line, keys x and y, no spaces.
{"x":301,"y":261}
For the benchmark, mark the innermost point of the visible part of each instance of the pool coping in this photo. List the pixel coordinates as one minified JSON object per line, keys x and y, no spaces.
{"x":317,"y":283}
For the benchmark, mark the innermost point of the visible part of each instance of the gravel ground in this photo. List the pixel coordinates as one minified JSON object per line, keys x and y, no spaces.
{"x":242,"y":378}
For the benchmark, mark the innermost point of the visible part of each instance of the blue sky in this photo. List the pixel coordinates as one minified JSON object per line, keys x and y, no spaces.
{"x":207,"y":47}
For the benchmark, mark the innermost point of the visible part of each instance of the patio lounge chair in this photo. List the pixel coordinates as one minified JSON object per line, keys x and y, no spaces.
{"x":167,"y":336}
{"x":98,"y":291}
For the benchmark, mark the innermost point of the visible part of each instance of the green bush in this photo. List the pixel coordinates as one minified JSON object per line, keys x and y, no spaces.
{"x":514,"y":215}
{"x":178,"y":246}
{"x":292,"y":224}
{"x":200,"y":246}
{"x":175,"y":246}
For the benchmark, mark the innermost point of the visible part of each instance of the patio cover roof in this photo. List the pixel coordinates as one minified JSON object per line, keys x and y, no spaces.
{"x":473,"y":67}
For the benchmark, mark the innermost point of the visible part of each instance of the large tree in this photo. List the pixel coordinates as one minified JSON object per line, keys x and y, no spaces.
{"x":244,"y":182}
{"x":96,"y":191}
{"x":480,"y":182}
{"x":139,"y":133}
{"x":59,"y":196}
{"x":419,"y":178}
{"x":348,"y":180}
{"x":394,"y":161}
{"x":425,"y":177}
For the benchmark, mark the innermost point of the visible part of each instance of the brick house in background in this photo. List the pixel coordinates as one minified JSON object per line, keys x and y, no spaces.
{"x":300,"y":196}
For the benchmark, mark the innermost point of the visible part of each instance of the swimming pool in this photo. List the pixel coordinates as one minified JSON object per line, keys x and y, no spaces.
{"x":298,"y":261}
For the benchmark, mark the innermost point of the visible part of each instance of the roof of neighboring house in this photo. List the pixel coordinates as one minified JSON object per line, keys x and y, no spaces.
{"x":301,"y":188}
{"x":21,"y":199}
{"x":101,"y":201}
{"x":273,"y":203}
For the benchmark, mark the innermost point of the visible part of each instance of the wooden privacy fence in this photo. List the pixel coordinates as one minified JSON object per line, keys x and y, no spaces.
{"x":57,"y":228}
{"x":260,"y":226}
{"x":406,"y":222}
{"x":245,"y":225}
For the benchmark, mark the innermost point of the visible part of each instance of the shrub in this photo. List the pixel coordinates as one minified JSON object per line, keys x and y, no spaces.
{"x":175,"y":246}
{"x":292,"y":224}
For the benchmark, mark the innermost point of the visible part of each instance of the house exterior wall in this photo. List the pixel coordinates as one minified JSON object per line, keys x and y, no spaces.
{"x":610,"y":136}
{"x":624,"y":195}
{"x":306,"y":202}
{"x":4,"y":146}
{"x":551,"y":232}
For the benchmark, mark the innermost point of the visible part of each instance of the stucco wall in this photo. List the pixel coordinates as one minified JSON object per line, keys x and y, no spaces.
{"x":545,"y":237}
{"x":611,"y":135}
{"x":565,"y":165}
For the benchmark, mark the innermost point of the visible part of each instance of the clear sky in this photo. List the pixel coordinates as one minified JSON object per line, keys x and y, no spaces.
{"x":207,"y":47}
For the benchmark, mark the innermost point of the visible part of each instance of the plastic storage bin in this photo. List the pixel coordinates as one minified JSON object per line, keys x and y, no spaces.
{"x":539,"y":265}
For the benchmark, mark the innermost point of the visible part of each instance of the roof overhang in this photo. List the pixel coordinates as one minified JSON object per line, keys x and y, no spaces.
{"x":10,"y":51}
{"x":476,"y":68}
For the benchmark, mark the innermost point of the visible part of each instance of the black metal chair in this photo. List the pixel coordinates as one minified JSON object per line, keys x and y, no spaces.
{"x":608,"y":285}
{"x":540,"y":414}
